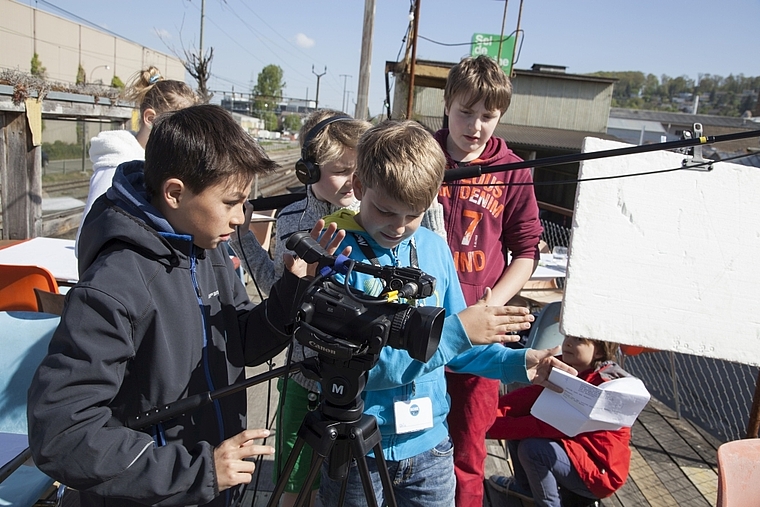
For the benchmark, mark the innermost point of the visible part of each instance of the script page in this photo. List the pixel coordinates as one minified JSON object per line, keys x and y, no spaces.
{"x":583,"y":407}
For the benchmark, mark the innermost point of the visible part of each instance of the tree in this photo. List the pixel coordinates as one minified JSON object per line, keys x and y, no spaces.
{"x":81,"y":76}
{"x":270,"y":120}
{"x":36,"y":68}
{"x":268,"y":90}
{"x":292,"y":123}
{"x":117,"y":83}
{"x":199,"y":66}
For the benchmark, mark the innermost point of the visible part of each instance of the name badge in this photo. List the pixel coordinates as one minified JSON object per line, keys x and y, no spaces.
{"x":413,"y":414}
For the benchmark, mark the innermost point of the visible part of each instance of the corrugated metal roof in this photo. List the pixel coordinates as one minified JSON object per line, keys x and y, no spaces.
{"x":628,"y":124}
{"x":533,"y":138}
{"x":682,"y":118}
{"x":527,"y":72}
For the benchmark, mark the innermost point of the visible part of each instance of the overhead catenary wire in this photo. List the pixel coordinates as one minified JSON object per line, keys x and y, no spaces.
{"x":477,"y":170}
{"x":263,"y":203}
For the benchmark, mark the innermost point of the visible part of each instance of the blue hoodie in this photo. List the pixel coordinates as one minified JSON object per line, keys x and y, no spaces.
{"x":396,"y":375}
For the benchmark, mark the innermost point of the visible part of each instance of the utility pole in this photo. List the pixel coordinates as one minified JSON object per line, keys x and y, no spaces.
{"x":517,"y":37}
{"x":501,"y":36}
{"x":203,"y":15}
{"x":344,"y":104}
{"x":415,"y":27}
{"x":319,"y":76}
{"x":365,"y":63}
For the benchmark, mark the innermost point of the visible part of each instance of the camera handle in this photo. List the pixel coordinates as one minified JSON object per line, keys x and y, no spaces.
{"x":160,"y":414}
{"x":342,"y":433}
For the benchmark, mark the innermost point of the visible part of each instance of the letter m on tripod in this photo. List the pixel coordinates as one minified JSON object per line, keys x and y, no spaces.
{"x":337,"y":389}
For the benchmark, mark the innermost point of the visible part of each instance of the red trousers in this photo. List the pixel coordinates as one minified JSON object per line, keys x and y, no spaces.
{"x":474,"y":401}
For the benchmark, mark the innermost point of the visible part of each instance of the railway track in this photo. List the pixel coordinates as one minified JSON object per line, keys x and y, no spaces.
{"x":64,"y":223}
{"x":275,"y":183}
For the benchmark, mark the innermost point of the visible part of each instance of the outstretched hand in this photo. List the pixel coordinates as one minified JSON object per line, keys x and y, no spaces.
{"x":330,"y":239}
{"x":539,"y":364}
{"x":486,"y":324}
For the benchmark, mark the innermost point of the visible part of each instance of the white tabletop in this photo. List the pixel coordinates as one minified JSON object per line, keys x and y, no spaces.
{"x":55,"y":255}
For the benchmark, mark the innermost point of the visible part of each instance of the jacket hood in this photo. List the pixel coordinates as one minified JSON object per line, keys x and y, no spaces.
{"x":495,"y":151}
{"x":112,"y":147}
{"x":125,"y":215}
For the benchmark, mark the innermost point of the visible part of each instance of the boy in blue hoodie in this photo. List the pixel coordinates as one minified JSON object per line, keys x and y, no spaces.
{"x":159,"y":316}
{"x":399,"y":170}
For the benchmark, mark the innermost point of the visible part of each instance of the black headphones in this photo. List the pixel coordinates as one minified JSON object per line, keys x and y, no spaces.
{"x":307,"y":170}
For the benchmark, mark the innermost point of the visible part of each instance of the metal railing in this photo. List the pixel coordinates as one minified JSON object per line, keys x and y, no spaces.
{"x":712,"y":393}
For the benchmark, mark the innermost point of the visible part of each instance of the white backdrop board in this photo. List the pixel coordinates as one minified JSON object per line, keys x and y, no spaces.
{"x":668,"y":261}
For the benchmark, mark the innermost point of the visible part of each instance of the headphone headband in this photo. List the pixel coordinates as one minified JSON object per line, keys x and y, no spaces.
{"x":307,"y":170}
{"x":316,"y":129}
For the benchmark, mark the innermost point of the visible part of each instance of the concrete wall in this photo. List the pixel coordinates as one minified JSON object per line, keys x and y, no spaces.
{"x":63,"y":45}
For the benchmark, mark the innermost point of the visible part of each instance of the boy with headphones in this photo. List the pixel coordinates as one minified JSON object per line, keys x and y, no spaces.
{"x":328,"y":141}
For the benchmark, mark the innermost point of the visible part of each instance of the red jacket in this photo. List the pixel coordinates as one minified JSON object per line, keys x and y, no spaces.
{"x":486,"y":216}
{"x":601,"y":458}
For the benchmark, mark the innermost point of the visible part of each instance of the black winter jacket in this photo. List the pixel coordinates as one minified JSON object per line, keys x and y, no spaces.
{"x":153,"y":319}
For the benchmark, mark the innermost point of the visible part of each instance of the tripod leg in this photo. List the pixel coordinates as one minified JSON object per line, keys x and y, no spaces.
{"x":369,"y":491}
{"x":285,"y":475}
{"x":385,"y":477}
{"x":316,"y":467}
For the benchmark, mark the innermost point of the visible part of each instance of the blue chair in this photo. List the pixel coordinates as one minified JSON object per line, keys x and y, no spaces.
{"x":24,"y":340}
{"x":544,"y":333}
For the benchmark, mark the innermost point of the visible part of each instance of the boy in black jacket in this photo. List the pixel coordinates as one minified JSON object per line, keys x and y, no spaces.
{"x":159,"y":315}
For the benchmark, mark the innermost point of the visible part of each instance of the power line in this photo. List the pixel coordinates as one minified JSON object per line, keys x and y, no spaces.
{"x":476,"y":170}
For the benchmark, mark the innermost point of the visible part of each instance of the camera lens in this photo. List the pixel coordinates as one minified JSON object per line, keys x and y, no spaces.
{"x":417,"y":330}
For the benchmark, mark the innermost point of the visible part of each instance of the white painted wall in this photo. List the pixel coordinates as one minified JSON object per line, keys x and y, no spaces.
{"x":669,"y":261}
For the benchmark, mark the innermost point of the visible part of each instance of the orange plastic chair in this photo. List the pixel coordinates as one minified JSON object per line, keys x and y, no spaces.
{"x":739,"y":473}
{"x":17,"y":284}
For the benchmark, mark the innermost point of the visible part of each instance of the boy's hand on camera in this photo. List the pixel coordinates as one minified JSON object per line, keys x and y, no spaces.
{"x":486,"y":324}
{"x":230,"y":462}
{"x":330,"y":239}
{"x":539,"y":364}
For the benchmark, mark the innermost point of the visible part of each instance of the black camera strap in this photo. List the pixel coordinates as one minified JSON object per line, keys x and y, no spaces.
{"x":369,"y":253}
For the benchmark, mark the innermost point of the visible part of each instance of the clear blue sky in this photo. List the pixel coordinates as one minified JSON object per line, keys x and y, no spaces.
{"x":652,"y":36}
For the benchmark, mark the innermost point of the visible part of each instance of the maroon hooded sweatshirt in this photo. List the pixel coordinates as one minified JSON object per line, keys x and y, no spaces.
{"x":483,"y":222}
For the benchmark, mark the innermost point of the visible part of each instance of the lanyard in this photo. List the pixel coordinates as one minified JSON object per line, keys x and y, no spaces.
{"x":369,"y":253}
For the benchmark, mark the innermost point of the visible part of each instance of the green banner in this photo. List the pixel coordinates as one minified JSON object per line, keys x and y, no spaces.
{"x":488,"y":44}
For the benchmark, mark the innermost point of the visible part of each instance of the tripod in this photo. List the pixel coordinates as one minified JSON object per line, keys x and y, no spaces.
{"x":341,"y":431}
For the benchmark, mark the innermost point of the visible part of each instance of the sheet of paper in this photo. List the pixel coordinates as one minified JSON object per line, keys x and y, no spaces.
{"x":583,"y":407}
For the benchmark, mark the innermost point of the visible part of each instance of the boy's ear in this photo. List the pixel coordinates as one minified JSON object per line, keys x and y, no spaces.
{"x":172,"y":192}
{"x":148,"y":116}
{"x":357,"y":185}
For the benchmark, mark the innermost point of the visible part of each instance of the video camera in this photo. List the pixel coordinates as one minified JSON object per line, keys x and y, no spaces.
{"x":347,"y":327}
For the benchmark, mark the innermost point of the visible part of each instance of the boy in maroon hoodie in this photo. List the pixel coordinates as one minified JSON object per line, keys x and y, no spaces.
{"x":484,"y":218}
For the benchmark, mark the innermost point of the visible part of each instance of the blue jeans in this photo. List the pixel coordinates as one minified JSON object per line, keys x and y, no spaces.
{"x":421,"y":481}
{"x":541,"y":466}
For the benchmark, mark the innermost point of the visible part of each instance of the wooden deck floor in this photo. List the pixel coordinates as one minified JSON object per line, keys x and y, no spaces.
{"x":673,"y":461}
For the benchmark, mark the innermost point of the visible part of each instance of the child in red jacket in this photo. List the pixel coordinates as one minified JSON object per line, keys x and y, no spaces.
{"x":592,"y":465}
